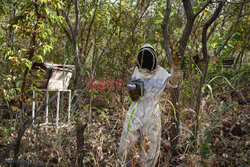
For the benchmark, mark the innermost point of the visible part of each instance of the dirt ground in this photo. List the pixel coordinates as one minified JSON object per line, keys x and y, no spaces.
{"x":224,"y":138}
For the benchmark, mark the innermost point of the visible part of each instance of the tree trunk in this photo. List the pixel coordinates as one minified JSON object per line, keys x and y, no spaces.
{"x":78,"y":87}
{"x":191,"y":80}
{"x":174,"y":130}
{"x":31,"y":53}
{"x":206,"y":57}
{"x":182,"y":43}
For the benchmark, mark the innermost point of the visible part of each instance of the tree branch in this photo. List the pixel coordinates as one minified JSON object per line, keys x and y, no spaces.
{"x":76,"y":18}
{"x":241,"y":52}
{"x":231,"y":34}
{"x":89,"y":31}
{"x":104,"y":49}
{"x":67,"y":33}
{"x":203,"y":8}
{"x":68,"y":7}
{"x":138,"y":21}
{"x":188,"y":28}
{"x":212,"y":30}
{"x":246,"y":1}
{"x":4,"y":28}
{"x":83,"y":13}
{"x":164,"y":27}
{"x":206,"y":57}
{"x":64,"y":14}
{"x":22,"y":130}
{"x":206,"y":26}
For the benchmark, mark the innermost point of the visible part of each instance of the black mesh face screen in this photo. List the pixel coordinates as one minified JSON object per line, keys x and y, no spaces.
{"x":146,"y":60}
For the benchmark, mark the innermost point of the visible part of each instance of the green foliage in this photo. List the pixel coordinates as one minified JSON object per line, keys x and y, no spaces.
{"x":110,"y":34}
{"x":236,"y":80}
{"x":28,"y":38}
{"x":205,"y":149}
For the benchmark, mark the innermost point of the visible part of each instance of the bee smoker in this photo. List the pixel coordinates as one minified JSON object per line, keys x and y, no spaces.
{"x":136,"y":89}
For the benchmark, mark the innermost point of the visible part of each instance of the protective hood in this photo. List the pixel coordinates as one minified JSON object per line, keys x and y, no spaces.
{"x":147,"y":58}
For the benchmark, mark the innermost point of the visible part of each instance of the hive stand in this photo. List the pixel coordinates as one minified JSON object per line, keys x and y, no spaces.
{"x":47,"y":106}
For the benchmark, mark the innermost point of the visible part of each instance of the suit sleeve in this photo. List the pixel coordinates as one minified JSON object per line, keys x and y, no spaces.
{"x":170,"y":77}
{"x":135,"y":74}
{"x":175,"y":78}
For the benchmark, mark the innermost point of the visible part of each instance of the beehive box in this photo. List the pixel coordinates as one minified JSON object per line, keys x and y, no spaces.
{"x":56,"y":77}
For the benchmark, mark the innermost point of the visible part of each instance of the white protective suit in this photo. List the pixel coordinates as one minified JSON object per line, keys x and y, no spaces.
{"x":141,"y":135}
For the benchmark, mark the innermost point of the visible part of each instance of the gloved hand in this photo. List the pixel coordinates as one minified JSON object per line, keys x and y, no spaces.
{"x":177,"y":61}
{"x":135,"y":89}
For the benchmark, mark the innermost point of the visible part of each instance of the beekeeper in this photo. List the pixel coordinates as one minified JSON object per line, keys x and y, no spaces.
{"x":141,"y":134}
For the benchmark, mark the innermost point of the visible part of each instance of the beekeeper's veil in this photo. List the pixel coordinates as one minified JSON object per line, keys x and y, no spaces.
{"x":147,"y":58}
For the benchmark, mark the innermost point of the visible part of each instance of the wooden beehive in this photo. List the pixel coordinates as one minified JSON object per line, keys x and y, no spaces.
{"x":228,"y":63}
{"x":56,"y":76}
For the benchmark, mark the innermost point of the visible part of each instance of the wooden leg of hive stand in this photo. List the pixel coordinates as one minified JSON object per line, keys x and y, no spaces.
{"x":47,"y":107}
{"x":57,"y":109}
{"x":33,"y":104}
{"x":69,"y":106}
